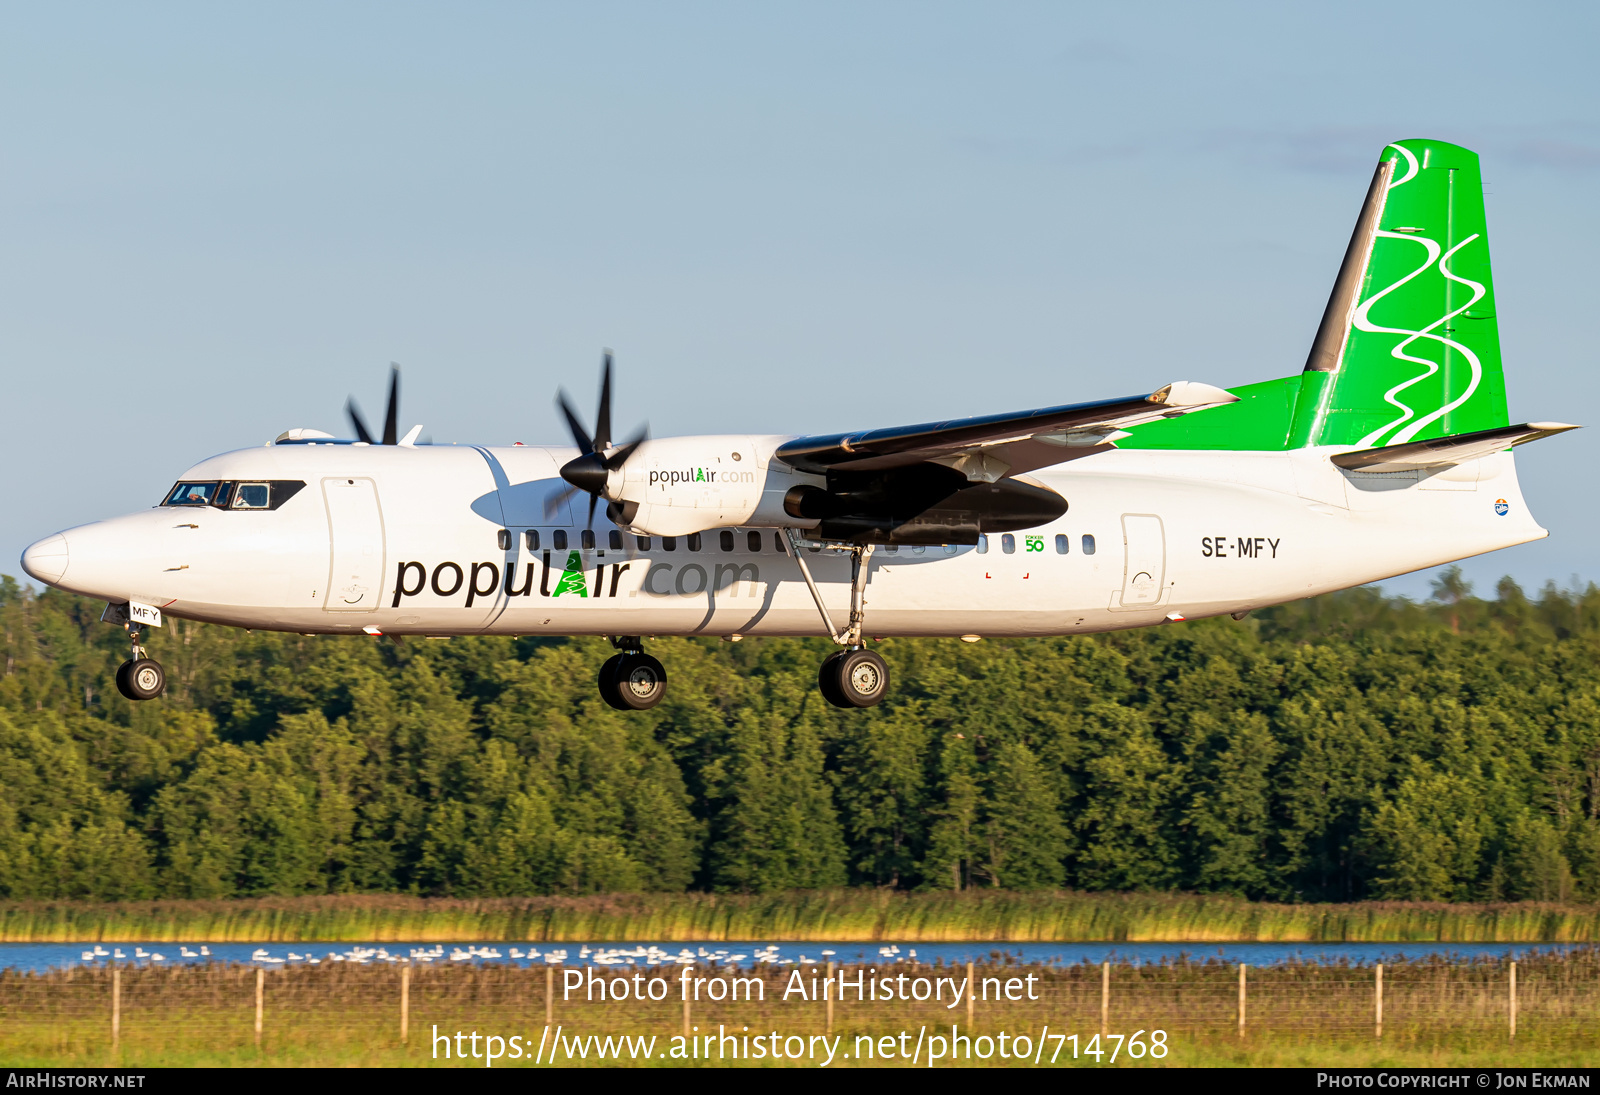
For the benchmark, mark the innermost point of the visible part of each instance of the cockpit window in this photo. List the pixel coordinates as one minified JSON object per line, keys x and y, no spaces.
{"x":251,"y":496}
{"x":192,"y":494}
{"x":233,"y":495}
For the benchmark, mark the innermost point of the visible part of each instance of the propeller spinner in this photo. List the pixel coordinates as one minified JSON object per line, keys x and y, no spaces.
{"x":597,"y":459}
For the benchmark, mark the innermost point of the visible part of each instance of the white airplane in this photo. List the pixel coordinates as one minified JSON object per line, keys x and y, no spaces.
{"x":1388,"y":453}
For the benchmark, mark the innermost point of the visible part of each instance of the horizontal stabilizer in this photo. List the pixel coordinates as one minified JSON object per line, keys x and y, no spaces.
{"x":1444,"y":451}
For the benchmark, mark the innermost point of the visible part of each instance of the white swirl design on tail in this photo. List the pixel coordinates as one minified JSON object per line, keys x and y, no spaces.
{"x":1411,"y":167}
{"x":1478,"y":293}
{"x":1362,"y":321}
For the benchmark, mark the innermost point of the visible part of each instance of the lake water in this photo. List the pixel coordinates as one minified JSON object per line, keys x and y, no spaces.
{"x":44,"y":956}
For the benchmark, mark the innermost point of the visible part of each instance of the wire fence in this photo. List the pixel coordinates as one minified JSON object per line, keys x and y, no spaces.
{"x":1539,"y":1000}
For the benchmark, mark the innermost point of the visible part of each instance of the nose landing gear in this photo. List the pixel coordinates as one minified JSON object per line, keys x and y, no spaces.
{"x":141,"y":676}
{"x":853,"y":677}
{"x":632,"y":680}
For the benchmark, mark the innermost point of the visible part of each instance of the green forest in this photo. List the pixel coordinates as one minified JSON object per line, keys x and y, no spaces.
{"x":1350,"y":747}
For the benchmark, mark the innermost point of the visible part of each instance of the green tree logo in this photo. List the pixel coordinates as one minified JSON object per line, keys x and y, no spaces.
{"x":572,"y":577}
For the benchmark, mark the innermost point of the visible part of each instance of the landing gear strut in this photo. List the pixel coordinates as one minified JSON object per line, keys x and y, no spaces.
{"x":632,"y":680}
{"x":852,"y":677}
{"x":141,"y":676}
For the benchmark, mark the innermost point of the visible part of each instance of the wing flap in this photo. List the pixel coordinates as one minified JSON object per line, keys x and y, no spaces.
{"x":1444,"y":451}
{"x":990,"y":446}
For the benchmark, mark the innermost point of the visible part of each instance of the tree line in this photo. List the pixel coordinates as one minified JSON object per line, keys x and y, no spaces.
{"x":1348,"y":747}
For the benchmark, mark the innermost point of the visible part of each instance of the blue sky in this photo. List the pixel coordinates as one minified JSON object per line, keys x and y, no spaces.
{"x":221,"y":219}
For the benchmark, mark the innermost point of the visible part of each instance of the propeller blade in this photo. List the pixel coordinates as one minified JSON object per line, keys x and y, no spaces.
{"x":602,"y":419}
{"x":557,"y":500}
{"x":580,"y":437}
{"x":391,"y":418}
{"x":360,"y":424}
{"x":620,"y":456}
{"x":590,"y":470}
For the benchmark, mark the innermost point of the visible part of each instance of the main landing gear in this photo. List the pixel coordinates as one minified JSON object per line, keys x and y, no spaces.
{"x":141,"y":676}
{"x":632,"y":680}
{"x":855,"y":676}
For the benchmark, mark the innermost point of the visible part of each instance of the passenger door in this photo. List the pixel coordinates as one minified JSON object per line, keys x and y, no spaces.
{"x":1144,"y":554}
{"x":355,"y":531}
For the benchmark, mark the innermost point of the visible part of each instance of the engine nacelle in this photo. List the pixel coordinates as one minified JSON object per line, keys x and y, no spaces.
{"x":679,"y":485}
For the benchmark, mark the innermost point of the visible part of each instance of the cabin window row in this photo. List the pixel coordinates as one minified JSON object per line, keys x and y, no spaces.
{"x":755,"y":543}
{"x":1063,"y":543}
{"x":534,"y":540}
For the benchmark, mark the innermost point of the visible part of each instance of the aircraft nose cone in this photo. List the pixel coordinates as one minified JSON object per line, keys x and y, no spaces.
{"x":47,"y":559}
{"x":587,"y":472}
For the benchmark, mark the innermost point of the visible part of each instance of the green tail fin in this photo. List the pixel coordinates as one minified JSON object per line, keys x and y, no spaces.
{"x":1409,"y":348}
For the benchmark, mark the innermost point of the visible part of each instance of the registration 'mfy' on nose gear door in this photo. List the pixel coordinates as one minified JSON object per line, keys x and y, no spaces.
{"x":141,"y":676}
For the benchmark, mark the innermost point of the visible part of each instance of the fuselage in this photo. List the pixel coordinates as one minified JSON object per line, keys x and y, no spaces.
{"x":457,"y":539}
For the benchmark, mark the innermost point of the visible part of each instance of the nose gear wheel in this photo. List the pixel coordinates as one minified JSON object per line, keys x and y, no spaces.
{"x":141,"y":676}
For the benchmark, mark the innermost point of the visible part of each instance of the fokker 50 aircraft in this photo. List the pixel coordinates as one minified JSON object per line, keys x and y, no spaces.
{"x":1390,"y":451}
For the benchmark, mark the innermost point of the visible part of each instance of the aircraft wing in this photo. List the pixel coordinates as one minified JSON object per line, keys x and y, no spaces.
{"x":989,"y":447}
{"x":1444,"y":451}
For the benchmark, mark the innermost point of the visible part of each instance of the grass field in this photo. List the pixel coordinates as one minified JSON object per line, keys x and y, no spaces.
{"x":1434,"y":1013}
{"x":835,"y":915}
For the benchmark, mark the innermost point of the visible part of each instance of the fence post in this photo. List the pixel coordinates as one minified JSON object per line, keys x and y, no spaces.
{"x":1378,"y":1001}
{"x":260,"y":980}
{"x":1242,"y":968}
{"x":405,"y":1002}
{"x":1105,"y":998}
{"x":972,"y":985}
{"x":116,"y":1008}
{"x":549,"y":995}
{"x":1513,"y":1000}
{"x":827,"y":994}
